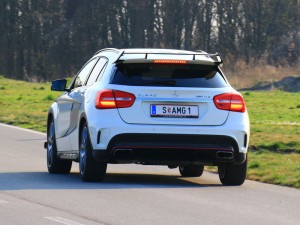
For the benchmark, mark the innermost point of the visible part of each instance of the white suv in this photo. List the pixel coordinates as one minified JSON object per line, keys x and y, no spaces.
{"x":151,"y":107}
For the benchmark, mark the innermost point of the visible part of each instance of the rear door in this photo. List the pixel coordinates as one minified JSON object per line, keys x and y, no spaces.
{"x":171,"y":94}
{"x":69,"y":103}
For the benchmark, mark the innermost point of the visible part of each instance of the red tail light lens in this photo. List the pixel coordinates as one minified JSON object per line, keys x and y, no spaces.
{"x":111,"y":99}
{"x":105,"y":100}
{"x":230,"y":102}
{"x":124,"y":99}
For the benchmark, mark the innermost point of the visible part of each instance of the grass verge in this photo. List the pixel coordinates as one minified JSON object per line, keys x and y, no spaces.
{"x":25,"y":104}
{"x":275,"y":168}
{"x":275,"y":120}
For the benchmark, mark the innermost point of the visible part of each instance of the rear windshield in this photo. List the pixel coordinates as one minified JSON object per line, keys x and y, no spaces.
{"x":174,"y":75}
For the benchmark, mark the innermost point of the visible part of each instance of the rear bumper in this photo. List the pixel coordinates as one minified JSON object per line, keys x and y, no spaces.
{"x":171,"y":149}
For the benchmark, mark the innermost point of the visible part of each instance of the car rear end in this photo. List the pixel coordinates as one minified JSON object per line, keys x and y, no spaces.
{"x":169,"y":108}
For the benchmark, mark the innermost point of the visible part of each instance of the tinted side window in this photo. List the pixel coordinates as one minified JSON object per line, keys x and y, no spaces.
{"x":96,"y":71}
{"x":84,"y":73}
{"x":174,"y":75}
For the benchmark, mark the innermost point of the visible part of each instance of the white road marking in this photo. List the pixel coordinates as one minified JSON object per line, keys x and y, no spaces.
{"x":23,"y":129}
{"x":63,"y":221}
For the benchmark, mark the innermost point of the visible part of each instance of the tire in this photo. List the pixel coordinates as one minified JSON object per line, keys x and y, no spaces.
{"x":231,"y":174}
{"x":191,"y":170}
{"x":90,"y":170}
{"x":54,"y":164}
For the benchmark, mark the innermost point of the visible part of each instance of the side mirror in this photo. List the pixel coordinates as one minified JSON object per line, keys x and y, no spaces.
{"x":59,"y":85}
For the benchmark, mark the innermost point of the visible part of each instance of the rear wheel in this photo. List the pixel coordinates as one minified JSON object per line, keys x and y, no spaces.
{"x":54,"y":164}
{"x":90,"y":169}
{"x":191,"y":170}
{"x":231,"y":174}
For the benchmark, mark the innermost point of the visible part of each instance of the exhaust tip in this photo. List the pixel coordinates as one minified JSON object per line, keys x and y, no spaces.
{"x":122,"y":152}
{"x":225,"y":155}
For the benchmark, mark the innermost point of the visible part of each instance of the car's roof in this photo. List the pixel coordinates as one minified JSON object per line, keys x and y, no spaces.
{"x":149,"y":51}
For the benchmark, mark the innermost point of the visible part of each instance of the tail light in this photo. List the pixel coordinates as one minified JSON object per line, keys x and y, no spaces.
{"x":112,"y":99}
{"x":230,"y":102}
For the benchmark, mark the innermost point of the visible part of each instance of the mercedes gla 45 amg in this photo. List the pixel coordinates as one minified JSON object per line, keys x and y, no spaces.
{"x":150,"y":107}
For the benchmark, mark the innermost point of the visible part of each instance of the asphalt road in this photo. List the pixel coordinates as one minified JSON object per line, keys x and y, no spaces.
{"x":130,"y":194}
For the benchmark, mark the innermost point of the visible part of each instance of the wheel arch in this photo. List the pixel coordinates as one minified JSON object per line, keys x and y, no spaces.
{"x":82,"y":120}
{"x":52,"y":112}
{"x":50,"y":117}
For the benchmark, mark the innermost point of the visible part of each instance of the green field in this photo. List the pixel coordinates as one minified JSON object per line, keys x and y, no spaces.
{"x":275,"y":120}
{"x":25,"y":104}
{"x":274,"y":155}
{"x":275,"y":137}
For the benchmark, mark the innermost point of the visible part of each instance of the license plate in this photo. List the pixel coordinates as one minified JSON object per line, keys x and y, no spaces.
{"x":176,"y":111}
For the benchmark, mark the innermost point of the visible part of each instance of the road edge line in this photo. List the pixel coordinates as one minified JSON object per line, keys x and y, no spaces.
{"x":23,"y":129}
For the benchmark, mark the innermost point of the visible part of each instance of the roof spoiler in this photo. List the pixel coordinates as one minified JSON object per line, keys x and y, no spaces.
{"x":217,"y":60}
{"x":107,"y":49}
